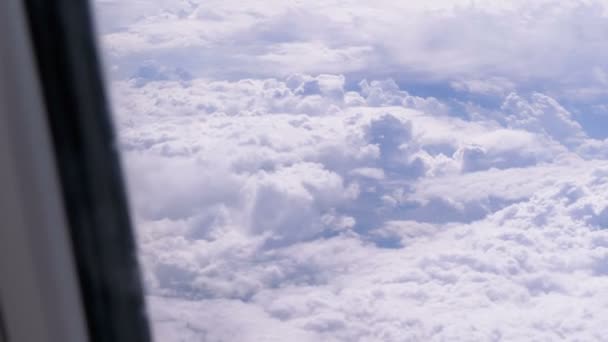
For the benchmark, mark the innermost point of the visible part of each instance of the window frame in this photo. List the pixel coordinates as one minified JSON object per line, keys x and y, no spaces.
{"x":69,"y":226}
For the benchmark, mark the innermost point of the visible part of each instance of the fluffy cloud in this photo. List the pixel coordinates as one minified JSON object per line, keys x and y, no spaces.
{"x":485,"y":47}
{"x":368,"y":219}
{"x":542,"y":114}
{"x":289,"y":180}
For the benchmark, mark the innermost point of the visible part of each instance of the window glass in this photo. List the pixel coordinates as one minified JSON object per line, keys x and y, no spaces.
{"x":345,"y":170}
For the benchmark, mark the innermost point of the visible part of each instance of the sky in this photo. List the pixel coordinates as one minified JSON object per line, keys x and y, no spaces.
{"x":345,"y":170}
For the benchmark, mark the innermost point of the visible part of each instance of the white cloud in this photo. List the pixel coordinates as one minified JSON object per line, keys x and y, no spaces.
{"x":491,"y":86}
{"x":481,"y":47}
{"x":286,"y":184}
{"x":366,"y":219}
{"x":542,"y":114}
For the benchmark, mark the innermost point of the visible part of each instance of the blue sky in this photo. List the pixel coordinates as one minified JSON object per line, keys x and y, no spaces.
{"x":342,"y":170}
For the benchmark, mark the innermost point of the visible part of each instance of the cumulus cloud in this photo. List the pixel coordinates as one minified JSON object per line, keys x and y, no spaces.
{"x":485,"y":47}
{"x":326,"y":222}
{"x":334,"y":172}
{"x":542,"y":113}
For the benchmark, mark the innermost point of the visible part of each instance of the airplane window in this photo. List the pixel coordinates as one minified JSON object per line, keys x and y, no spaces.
{"x":346,"y":170}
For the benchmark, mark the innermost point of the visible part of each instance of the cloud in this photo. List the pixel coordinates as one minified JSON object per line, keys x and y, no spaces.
{"x":466,"y":51}
{"x":491,"y":86}
{"x":482,"y":47}
{"x":542,"y":114}
{"x":325,"y":221}
{"x":337,"y":171}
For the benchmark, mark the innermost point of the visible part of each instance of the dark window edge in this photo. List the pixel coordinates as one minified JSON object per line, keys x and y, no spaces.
{"x":89,"y":170}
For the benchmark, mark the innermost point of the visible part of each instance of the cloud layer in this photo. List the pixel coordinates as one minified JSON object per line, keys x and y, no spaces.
{"x":341,"y":172}
{"x":482,"y":48}
{"x":295,"y":208}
